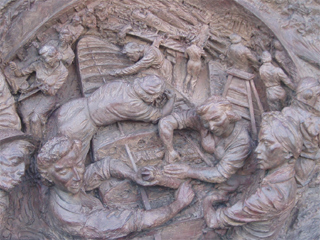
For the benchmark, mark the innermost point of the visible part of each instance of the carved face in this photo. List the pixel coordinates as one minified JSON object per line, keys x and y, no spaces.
{"x":12,"y":164}
{"x":315,"y":100}
{"x":50,"y":59}
{"x":65,"y":37}
{"x":217,"y":122}
{"x":270,"y":153}
{"x":67,"y":173}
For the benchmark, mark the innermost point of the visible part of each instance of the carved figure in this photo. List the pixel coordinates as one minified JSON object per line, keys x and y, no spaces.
{"x":304,"y":112}
{"x":148,"y":58}
{"x":81,"y":215}
{"x":8,"y":112}
{"x":282,"y":58}
{"x":75,"y":27}
{"x":15,"y":150}
{"x":272,"y":77}
{"x":262,"y":214}
{"x":88,"y":19}
{"x":239,"y":55}
{"x":221,"y":134}
{"x":194,"y":52}
{"x":113,"y":102}
{"x":51,"y":74}
{"x":63,"y":46}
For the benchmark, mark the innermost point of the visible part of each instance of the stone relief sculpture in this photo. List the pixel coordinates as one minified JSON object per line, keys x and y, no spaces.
{"x":8,"y":113}
{"x":144,"y":117}
{"x":50,"y":76}
{"x":146,"y":57}
{"x":262,"y":214}
{"x":113,"y":102}
{"x":272,"y":78}
{"x":79,"y":214}
{"x":194,"y":54}
{"x":15,"y":150}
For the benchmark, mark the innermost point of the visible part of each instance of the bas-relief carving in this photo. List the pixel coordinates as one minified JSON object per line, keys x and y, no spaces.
{"x":132,"y":99}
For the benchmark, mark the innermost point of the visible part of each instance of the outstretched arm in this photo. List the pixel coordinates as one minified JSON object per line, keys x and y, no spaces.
{"x":96,"y":173}
{"x":156,"y":217}
{"x":285,"y":79}
{"x":24,"y":71}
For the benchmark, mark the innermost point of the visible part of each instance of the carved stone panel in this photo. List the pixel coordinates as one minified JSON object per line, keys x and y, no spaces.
{"x":159,"y":119}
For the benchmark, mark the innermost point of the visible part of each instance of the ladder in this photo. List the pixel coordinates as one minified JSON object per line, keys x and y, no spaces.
{"x":238,"y":90}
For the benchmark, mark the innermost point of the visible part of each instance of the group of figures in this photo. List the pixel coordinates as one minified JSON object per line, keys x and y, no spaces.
{"x":231,"y":168}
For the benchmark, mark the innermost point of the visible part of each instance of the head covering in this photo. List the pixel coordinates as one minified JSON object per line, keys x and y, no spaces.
{"x":212,"y":104}
{"x":266,"y":57}
{"x":235,"y":38}
{"x":49,"y":49}
{"x":149,"y":86}
{"x":284,"y":131}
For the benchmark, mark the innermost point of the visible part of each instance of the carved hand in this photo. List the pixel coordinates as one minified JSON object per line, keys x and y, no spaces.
{"x":145,"y":177}
{"x":148,"y":173}
{"x":185,"y":194}
{"x":170,"y":94}
{"x":177,"y":170}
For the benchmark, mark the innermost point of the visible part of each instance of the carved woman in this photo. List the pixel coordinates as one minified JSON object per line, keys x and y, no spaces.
{"x":262,"y":214}
{"x":51,"y":74}
{"x":15,"y":150}
{"x":78,"y":214}
{"x":222,"y":134}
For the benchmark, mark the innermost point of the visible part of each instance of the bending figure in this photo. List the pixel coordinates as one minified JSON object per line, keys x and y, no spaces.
{"x":76,"y":213}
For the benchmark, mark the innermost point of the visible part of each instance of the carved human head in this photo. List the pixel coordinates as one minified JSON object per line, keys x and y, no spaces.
{"x":266,"y":57}
{"x":277,"y":45}
{"x":76,"y":20}
{"x":49,"y":54}
{"x":133,"y":50}
{"x":308,"y":92}
{"x":65,"y":35}
{"x":279,"y":141}
{"x":149,"y":88}
{"x":235,"y":38}
{"x":16,"y":148}
{"x":217,"y":115}
{"x":59,"y":162}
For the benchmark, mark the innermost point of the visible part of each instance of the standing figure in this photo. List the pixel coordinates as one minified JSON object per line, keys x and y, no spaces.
{"x":76,"y":213}
{"x":272,"y":77}
{"x":75,"y":27}
{"x":15,"y":150}
{"x":51,"y":74}
{"x":8,"y":112}
{"x":113,"y":102}
{"x":148,"y":59}
{"x":240,"y":57}
{"x":194,"y":52}
{"x":262,"y":214}
{"x":64,"y":46}
{"x":89,"y":19}
{"x":304,"y":112}
{"x":222,"y":134}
